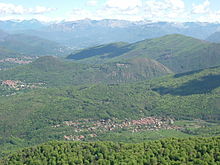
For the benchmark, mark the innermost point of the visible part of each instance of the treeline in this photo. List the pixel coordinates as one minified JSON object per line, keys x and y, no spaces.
{"x":191,"y":151}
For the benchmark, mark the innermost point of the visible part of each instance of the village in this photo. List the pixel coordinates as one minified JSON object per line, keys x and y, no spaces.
{"x":85,"y":128}
{"x":17,"y":85}
{"x":18,"y":60}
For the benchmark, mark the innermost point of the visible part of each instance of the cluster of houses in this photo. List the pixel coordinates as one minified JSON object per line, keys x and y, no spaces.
{"x":90,"y":128}
{"x":18,"y":85}
{"x":25,"y":60}
{"x":121,"y":65}
{"x":77,"y":138}
{"x":74,"y":138}
{"x":11,"y":83}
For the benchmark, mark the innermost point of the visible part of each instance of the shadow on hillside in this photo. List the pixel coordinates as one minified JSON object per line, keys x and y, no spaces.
{"x":110,"y":50}
{"x":178,"y":75}
{"x":186,"y":73}
{"x":204,"y":85}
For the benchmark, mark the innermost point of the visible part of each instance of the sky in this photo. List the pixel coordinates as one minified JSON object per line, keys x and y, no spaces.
{"x":132,"y":10}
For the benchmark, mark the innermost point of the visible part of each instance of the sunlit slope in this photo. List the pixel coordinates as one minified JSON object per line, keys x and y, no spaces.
{"x":177,"y":52}
{"x":56,"y":72}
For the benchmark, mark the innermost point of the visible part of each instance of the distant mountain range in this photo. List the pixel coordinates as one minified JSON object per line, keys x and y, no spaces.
{"x":85,"y":33}
{"x":13,"y":25}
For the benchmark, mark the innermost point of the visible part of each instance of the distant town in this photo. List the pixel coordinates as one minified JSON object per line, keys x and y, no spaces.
{"x":84,"y":128}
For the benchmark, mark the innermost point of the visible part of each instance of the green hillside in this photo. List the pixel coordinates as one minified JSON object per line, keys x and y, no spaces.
{"x":32,"y":46}
{"x":20,"y":49}
{"x":191,"y":151}
{"x":102,"y":51}
{"x":6,"y":53}
{"x":177,"y":52}
{"x":56,"y":72}
{"x":38,"y":115}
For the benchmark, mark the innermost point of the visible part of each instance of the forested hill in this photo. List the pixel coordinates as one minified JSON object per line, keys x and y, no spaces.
{"x":28,"y":45}
{"x":101,"y":51}
{"x":201,"y":151}
{"x":177,"y":52}
{"x":57,"y":72}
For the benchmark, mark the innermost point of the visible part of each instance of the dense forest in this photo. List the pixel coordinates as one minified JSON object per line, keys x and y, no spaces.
{"x":190,"y":151}
{"x":56,"y":72}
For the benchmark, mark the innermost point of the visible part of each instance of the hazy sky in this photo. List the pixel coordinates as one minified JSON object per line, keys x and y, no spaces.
{"x":135,"y":10}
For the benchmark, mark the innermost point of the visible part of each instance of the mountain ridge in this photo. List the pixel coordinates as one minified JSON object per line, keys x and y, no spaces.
{"x":178,"y":52}
{"x":55,"y":71}
{"x":31,"y":45}
{"x":81,"y":34}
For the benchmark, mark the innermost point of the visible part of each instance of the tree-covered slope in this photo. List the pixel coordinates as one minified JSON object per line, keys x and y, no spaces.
{"x":177,"y":52}
{"x":6,"y":53}
{"x":191,"y":151}
{"x":31,"y":46}
{"x":56,"y":72}
{"x":102,"y":51}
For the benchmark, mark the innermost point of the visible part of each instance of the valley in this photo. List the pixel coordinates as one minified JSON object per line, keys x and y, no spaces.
{"x":54,"y":112}
{"x":149,"y":93}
